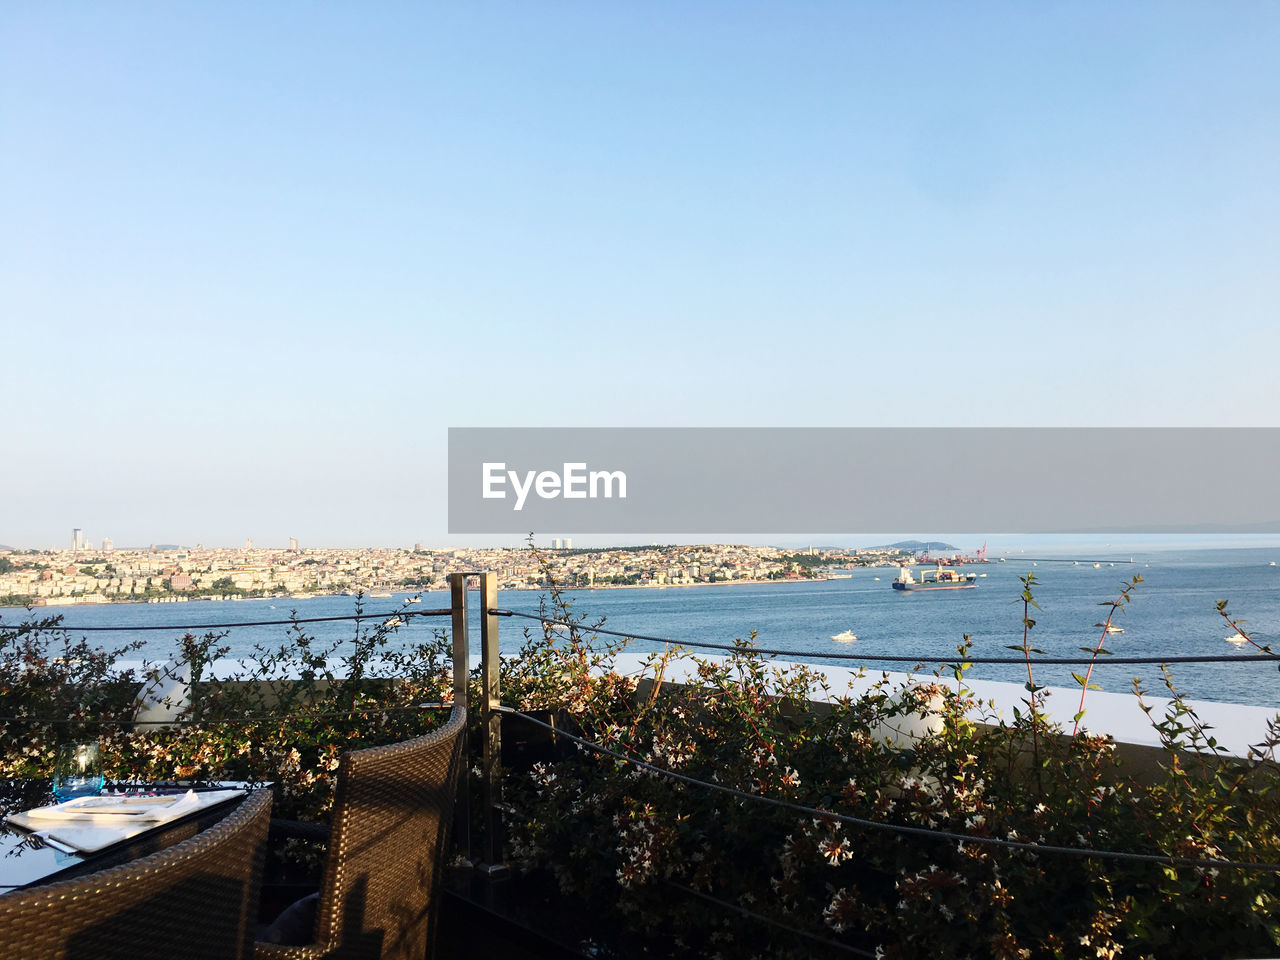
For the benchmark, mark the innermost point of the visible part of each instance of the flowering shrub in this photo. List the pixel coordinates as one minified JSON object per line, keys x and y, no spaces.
{"x":824,"y":834}
{"x":284,"y":714}
{"x":54,"y":690}
{"x":644,"y":851}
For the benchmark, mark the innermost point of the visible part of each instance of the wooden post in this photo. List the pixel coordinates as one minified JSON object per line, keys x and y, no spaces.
{"x":461,"y":671}
{"x":492,"y":784}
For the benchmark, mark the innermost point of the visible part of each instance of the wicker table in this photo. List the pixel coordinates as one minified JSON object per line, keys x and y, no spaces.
{"x":26,"y":861}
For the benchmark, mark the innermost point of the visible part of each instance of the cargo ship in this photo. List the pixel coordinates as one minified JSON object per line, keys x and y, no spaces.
{"x":940,"y":579}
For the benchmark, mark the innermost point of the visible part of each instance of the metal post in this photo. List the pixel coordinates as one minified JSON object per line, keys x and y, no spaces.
{"x":461,"y":671}
{"x":492,"y":722}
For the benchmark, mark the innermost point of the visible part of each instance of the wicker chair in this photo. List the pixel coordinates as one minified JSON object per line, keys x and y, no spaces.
{"x":194,"y":899}
{"x":389,"y":837}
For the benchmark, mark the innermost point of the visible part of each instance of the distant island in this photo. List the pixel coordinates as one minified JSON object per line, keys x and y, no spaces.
{"x":916,"y":546}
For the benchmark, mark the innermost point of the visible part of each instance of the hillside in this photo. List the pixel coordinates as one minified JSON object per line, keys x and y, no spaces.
{"x":916,"y":546}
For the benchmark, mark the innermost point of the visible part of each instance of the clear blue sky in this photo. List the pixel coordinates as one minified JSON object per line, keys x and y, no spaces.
{"x":256,"y":258}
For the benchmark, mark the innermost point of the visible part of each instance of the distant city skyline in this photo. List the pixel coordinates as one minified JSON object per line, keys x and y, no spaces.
{"x":257,"y":259}
{"x":965,"y":542}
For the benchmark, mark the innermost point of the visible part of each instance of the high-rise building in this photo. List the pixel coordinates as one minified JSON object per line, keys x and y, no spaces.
{"x":568,"y":543}
{"x":555,"y":543}
{"x":77,"y":539}
{"x":108,"y":544}
{"x":293,"y":544}
{"x":248,"y":543}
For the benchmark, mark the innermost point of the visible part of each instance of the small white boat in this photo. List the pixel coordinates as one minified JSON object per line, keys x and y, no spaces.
{"x":413,"y":600}
{"x":982,"y":575}
{"x":845,"y":636}
{"x":1271,"y":564}
{"x":1236,"y":639}
{"x":877,"y":578}
{"x":1097,"y":566}
{"x":1110,"y":627}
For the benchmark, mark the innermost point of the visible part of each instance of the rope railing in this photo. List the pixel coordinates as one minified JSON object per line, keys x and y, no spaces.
{"x":129,"y":628}
{"x":760,"y":917}
{"x":210,"y":721}
{"x":1267,"y":657}
{"x":1264,"y":657}
{"x":904,"y":829}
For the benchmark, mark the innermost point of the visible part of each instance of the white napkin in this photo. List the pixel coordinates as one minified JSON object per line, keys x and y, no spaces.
{"x":153,"y":809}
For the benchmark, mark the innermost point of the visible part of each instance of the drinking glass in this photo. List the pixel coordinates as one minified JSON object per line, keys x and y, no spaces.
{"x":78,"y":771}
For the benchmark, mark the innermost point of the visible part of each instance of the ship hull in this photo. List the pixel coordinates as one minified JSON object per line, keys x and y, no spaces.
{"x":933,"y":586}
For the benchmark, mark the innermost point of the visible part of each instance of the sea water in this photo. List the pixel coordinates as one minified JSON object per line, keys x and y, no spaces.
{"x":1172,"y":613}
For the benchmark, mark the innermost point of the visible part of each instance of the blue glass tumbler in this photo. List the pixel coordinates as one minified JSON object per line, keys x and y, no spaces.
{"x":77,"y":771}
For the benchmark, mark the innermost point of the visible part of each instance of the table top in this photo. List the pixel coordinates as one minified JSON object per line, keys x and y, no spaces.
{"x":26,"y":860}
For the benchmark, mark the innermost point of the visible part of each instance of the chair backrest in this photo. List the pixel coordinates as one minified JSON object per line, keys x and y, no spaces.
{"x":389,"y":838}
{"x":197,"y":898}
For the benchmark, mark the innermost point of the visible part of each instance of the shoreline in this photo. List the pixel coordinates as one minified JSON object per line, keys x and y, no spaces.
{"x":178,"y":598}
